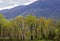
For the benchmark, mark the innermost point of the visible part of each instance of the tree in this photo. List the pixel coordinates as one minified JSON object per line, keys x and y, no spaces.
{"x":57,"y":30}
{"x":18,"y":25}
{"x":3,"y":21}
{"x":49,"y":25}
{"x":31,"y":24}
{"x":41,"y":27}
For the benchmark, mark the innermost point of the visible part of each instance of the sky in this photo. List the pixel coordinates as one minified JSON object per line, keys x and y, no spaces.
{"x":7,"y":4}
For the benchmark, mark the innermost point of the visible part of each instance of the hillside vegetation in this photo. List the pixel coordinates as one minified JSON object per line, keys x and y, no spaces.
{"x":29,"y":28}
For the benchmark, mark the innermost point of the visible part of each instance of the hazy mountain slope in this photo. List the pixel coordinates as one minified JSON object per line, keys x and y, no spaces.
{"x":46,"y":8}
{"x":12,"y":13}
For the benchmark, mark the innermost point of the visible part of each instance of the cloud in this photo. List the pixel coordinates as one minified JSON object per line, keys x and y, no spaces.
{"x":7,"y":4}
{"x":30,"y":2}
{"x":9,"y":7}
{"x":1,"y":1}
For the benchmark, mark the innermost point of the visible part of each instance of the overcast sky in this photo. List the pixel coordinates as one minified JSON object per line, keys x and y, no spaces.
{"x":6,"y":4}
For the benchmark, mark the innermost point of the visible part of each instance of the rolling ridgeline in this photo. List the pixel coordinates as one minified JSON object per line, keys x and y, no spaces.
{"x":29,"y":28}
{"x":40,"y":8}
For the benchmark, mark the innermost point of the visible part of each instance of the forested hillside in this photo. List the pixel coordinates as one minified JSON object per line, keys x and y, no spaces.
{"x":29,"y":28}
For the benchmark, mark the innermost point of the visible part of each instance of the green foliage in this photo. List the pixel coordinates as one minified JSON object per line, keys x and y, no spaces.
{"x":3,"y":21}
{"x":29,"y":28}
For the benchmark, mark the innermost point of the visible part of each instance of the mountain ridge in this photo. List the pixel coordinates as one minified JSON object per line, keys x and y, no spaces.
{"x":48,"y":9}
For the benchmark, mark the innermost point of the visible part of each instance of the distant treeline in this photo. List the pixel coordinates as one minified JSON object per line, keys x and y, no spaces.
{"x":30,"y":27}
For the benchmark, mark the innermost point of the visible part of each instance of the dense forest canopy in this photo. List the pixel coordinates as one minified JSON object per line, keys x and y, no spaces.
{"x":30,"y":27}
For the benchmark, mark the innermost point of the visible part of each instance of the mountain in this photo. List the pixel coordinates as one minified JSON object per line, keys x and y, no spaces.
{"x":44,"y":8}
{"x":12,"y":13}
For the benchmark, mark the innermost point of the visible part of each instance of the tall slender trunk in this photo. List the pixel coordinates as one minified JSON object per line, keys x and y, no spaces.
{"x":31,"y":28}
{"x":36,"y":25}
